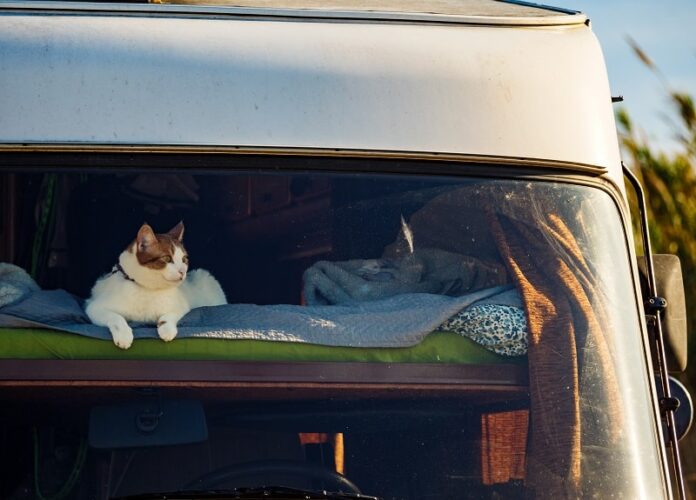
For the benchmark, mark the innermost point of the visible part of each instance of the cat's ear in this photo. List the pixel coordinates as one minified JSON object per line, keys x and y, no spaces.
{"x":146,"y":237}
{"x":177,"y":232}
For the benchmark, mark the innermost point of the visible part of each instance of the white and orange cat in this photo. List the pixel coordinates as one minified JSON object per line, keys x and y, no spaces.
{"x":150,"y":284}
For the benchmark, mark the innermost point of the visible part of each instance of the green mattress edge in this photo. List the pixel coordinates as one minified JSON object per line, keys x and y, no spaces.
{"x":438,"y":347}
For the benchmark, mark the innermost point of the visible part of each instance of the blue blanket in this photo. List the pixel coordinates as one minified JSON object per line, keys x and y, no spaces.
{"x":397,"y":321}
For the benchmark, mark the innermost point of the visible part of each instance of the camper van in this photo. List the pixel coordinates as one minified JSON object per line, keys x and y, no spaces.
{"x":327,"y":249}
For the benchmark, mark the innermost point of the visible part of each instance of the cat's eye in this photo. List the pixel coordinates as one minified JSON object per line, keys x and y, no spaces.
{"x":185,"y":259}
{"x":166,"y":258}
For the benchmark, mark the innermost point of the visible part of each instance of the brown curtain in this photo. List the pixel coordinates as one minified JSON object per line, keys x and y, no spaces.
{"x":557,"y":288}
{"x":538,"y":230}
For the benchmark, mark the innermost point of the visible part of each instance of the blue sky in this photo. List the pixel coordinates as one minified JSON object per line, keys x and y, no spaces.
{"x":666,"y":31}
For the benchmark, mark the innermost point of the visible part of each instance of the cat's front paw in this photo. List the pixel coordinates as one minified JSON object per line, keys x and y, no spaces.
{"x":122,"y":335}
{"x":166,"y":329}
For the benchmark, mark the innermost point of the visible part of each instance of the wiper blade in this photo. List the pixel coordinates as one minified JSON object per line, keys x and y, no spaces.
{"x":262,"y":493}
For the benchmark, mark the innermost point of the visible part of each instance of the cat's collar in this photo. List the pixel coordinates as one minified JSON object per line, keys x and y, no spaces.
{"x":119,"y":269}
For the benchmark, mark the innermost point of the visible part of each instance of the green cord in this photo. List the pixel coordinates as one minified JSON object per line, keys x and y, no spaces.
{"x":46,"y":212}
{"x":72,"y":478}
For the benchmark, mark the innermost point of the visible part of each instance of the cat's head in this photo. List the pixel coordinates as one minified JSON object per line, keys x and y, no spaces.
{"x":157,"y":260}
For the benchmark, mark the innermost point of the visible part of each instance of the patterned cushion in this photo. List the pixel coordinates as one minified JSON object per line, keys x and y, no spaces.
{"x":498,"y":328}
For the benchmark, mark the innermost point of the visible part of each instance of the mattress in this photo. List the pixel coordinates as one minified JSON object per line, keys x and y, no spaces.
{"x":437,"y":347}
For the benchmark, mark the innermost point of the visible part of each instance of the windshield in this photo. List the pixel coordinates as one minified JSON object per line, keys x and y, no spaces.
{"x":404,"y":336}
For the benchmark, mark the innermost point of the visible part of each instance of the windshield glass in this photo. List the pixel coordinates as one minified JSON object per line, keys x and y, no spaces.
{"x":406,"y":336}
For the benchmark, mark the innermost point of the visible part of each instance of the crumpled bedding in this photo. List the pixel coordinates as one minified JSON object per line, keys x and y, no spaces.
{"x":397,"y":316}
{"x":427,"y":270}
{"x":15,"y":284}
{"x":500,"y":327}
{"x":398,"y":321}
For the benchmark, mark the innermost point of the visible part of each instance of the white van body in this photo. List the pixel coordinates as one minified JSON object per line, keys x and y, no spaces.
{"x":328,"y":78}
{"x":504,"y":86}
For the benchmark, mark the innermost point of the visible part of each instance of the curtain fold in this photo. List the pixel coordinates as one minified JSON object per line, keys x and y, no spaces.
{"x":568,"y":350}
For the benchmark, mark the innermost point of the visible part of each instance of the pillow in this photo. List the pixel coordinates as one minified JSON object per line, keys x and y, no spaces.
{"x":15,"y":284}
{"x":499,"y":328}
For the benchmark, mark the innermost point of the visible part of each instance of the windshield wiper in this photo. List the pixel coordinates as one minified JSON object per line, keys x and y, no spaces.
{"x":261,"y":493}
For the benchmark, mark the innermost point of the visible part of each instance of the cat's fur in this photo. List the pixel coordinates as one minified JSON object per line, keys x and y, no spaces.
{"x":150,"y":284}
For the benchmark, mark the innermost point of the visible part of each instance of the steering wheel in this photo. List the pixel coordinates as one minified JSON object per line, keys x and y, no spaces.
{"x":332,"y":480}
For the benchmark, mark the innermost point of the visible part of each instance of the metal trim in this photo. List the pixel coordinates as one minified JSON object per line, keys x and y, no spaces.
{"x":212,"y":11}
{"x":540,"y":163}
{"x":658,"y":337}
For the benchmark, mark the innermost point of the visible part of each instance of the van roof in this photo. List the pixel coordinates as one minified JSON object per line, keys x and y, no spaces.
{"x":150,"y":78}
{"x":489,"y":12}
